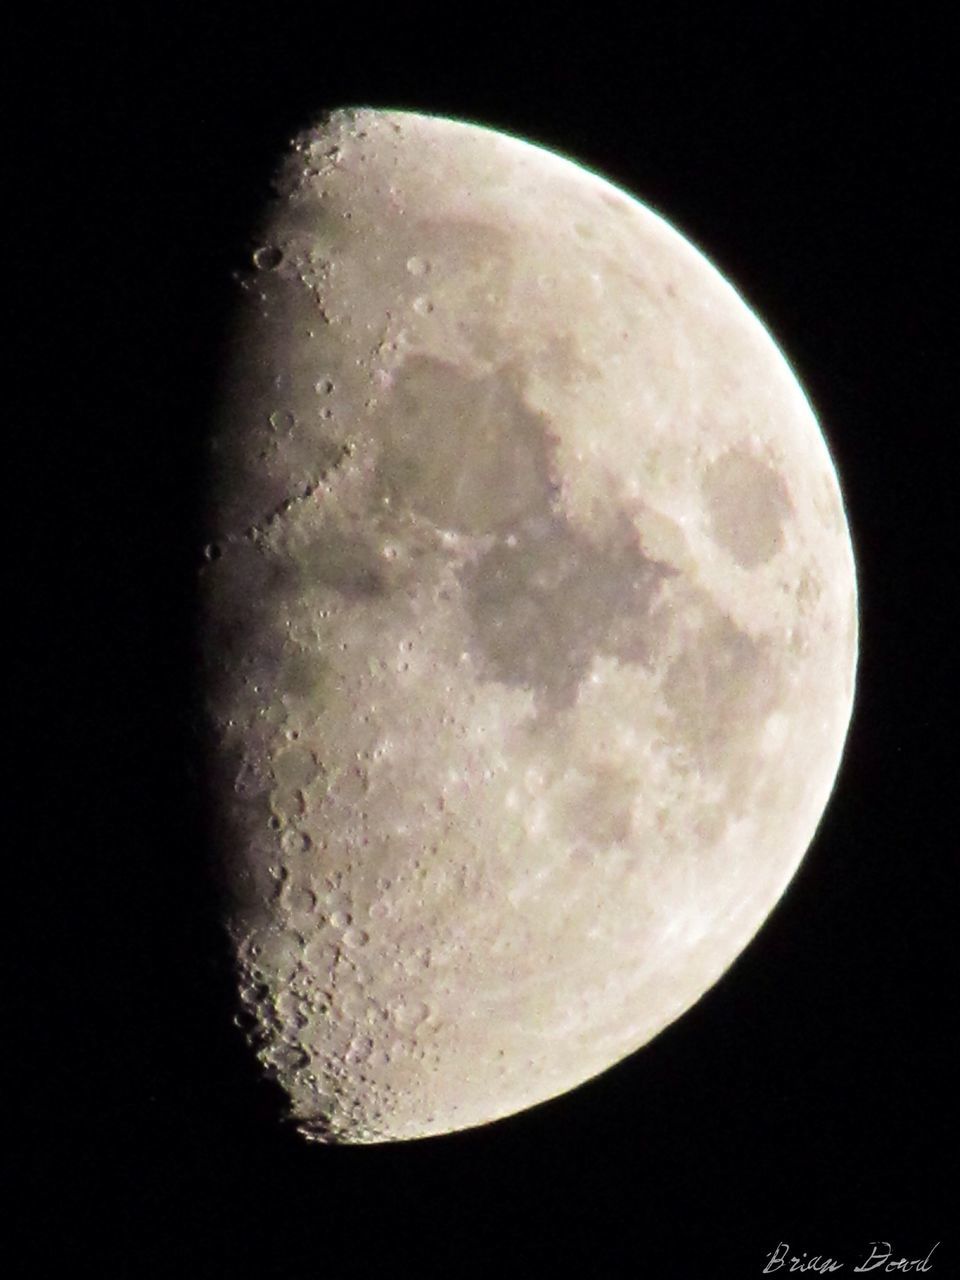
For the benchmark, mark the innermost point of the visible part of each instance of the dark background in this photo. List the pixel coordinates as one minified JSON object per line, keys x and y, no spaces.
{"x":805,"y":1098}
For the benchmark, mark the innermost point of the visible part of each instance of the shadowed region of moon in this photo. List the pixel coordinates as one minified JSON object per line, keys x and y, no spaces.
{"x":467,"y":454}
{"x":747,"y":502}
{"x":544,"y":602}
{"x":345,"y":563}
{"x":463,"y":452}
{"x":529,"y":627}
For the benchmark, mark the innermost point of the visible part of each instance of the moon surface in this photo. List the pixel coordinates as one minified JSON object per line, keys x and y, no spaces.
{"x":529,"y":626}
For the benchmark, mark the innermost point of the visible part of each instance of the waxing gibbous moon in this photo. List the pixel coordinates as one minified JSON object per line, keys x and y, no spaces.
{"x":529,"y":626}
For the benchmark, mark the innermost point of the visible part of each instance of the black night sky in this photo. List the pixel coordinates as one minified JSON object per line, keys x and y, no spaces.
{"x":805,"y":1099}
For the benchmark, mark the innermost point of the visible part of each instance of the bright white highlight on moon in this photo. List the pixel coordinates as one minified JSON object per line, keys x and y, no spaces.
{"x":530,"y":627}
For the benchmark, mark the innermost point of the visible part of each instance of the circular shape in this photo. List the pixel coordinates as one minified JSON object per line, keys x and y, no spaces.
{"x":267,"y":258}
{"x":532,"y":636}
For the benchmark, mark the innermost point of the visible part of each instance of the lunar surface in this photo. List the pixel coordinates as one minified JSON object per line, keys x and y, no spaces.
{"x":529,"y":626}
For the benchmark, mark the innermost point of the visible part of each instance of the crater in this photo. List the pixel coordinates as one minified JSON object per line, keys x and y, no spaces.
{"x":747,"y":502}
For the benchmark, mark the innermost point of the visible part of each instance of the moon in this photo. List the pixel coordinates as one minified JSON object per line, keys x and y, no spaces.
{"x":529,"y":626}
